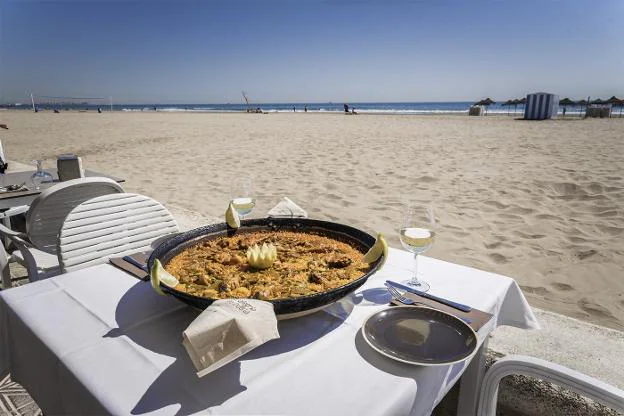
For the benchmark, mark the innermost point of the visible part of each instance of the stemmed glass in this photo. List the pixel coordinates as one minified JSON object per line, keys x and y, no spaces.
{"x":40,"y":176}
{"x":417,"y":234}
{"x":242,"y":195}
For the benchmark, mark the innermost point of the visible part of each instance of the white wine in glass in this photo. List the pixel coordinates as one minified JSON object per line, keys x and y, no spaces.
{"x":243,"y":200}
{"x":244,"y":205}
{"x":417,"y":235}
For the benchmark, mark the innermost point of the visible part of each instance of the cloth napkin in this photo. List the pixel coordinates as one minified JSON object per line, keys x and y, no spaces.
{"x":226,"y":330}
{"x":287,"y":208}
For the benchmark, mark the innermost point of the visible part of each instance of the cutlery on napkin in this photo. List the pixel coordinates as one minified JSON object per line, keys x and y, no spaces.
{"x":136,"y":263}
{"x":133,"y":264}
{"x":459,"y":306}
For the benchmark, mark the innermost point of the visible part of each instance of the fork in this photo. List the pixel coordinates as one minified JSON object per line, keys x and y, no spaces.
{"x":395,"y":294}
{"x":406,"y":301}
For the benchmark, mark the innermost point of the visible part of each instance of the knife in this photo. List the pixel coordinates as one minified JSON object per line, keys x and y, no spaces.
{"x":459,"y":306}
{"x":135,"y":263}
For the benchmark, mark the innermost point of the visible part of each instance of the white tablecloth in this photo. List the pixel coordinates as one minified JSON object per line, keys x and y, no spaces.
{"x":99,"y":341}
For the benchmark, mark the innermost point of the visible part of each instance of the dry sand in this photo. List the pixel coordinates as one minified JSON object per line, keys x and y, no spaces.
{"x":541,"y":202}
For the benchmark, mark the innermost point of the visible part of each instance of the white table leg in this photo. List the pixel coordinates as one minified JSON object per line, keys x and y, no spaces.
{"x":470,"y":383}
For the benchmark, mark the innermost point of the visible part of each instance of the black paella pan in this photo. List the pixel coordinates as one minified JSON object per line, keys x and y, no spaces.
{"x":283,"y":307}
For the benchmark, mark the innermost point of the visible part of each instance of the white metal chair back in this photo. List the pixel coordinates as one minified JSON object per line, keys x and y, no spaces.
{"x":111,"y":226}
{"x":48,"y":211}
{"x":582,"y":384}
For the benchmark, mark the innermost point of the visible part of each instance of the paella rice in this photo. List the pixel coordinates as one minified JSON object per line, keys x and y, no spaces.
{"x":306,"y":264}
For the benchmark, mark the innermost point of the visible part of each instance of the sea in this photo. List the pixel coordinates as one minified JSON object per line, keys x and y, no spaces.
{"x":460,"y":107}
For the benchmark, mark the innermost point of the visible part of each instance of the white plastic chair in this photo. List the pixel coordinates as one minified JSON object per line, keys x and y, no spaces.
{"x":111,"y":226}
{"x":582,"y":384}
{"x":37,"y":247}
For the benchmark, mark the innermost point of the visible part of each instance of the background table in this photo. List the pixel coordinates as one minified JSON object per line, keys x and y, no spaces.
{"x":14,"y":199}
{"x":100,"y":341}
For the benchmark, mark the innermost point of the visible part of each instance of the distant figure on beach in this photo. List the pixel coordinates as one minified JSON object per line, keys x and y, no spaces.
{"x":305,"y":108}
{"x":564,"y":110}
{"x":346,"y":108}
{"x":56,"y":111}
{"x":294,"y":109}
{"x":99,"y":110}
{"x":353,"y":110}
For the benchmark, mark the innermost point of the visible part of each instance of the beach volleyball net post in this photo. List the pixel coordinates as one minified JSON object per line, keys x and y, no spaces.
{"x":59,"y":103}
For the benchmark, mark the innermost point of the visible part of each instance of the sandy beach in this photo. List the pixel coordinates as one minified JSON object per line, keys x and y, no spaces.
{"x":538,"y":201}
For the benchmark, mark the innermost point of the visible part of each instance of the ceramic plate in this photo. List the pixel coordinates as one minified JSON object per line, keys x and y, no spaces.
{"x":420,"y":336}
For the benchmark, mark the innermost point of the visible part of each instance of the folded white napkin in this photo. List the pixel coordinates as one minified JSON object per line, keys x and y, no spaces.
{"x":287,"y":208}
{"x":228,"y":329}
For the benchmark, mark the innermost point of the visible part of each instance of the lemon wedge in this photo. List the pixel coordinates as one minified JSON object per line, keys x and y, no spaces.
{"x":159,"y":274}
{"x":231,"y":217}
{"x":380,"y":248}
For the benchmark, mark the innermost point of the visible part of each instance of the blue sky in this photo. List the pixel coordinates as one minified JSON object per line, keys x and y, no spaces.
{"x":310,"y":51}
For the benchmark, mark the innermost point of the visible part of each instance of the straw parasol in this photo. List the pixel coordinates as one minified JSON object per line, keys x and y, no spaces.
{"x":582,"y":103}
{"x":486,"y":102}
{"x":597,"y":101}
{"x":566,"y":102}
{"x":508,"y":104}
{"x":518,"y":101}
{"x":615,"y":102}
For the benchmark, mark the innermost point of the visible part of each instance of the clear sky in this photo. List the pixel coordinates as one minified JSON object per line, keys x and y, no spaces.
{"x":178,"y":51}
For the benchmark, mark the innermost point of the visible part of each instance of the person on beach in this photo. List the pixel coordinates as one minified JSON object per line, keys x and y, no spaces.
{"x":99,"y":110}
{"x":346,"y":108}
{"x":294,"y":109}
{"x":305,"y":108}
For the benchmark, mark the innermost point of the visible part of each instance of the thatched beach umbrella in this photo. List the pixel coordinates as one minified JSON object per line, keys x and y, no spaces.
{"x":519,"y":101}
{"x":597,"y":101}
{"x":508,"y":104}
{"x":566,"y":102}
{"x":582,"y":103}
{"x":615,"y":102}
{"x":487,"y":102}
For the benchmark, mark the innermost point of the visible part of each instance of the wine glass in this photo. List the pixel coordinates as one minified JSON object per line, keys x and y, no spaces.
{"x":40,"y":176}
{"x":242,"y":194}
{"x":417,"y":234}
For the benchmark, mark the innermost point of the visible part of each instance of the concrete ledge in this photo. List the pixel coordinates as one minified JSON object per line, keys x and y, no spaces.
{"x":591,"y":349}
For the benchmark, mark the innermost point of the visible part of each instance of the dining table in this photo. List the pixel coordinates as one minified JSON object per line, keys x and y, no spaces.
{"x":25,"y":197}
{"x":100,"y":341}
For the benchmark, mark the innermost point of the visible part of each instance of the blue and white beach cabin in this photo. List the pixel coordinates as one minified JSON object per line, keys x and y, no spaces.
{"x":541,"y":106}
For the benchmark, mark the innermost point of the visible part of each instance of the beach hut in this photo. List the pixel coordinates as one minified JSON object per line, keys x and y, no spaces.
{"x":541,"y":106}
